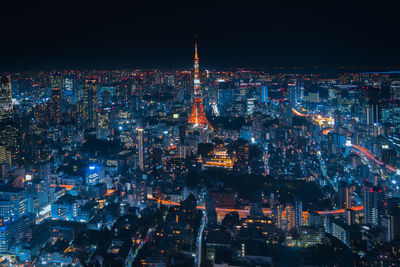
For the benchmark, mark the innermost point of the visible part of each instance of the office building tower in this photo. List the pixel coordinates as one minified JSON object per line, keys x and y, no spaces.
{"x":104,"y":130}
{"x":339,"y":121}
{"x":250,"y":106}
{"x":12,"y":232}
{"x":294,"y":212}
{"x":340,"y":230}
{"x":90,"y":102}
{"x":374,"y":202}
{"x":277,"y":211}
{"x":296,"y":91}
{"x":389,"y":155}
{"x":241,"y":148}
{"x":387,"y":225}
{"x":286,"y":114}
{"x":264,"y":94}
{"x":68,"y":85}
{"x":92,"y":175}
{"x":38,"y":195}
{"x":226,"y":95}
{"x":13,"y":203}
{"x":345,"y":192}
{"x":391,"y":222}
{"x":350,"y":216}
{"x":56,"y":98}
{"x":293,"y":94}
{"x":65,"y":208}
{"x":300,"y":88}
{"x":6,"y":105}
{"x":371,"y":114}
{"x":210,"y":210}
{"x":144,"y":142}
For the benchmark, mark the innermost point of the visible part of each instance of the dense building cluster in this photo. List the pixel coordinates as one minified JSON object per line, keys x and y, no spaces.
{"x":199,"y":167}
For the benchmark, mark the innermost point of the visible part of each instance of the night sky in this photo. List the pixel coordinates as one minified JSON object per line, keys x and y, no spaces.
{"x":148,"y":34}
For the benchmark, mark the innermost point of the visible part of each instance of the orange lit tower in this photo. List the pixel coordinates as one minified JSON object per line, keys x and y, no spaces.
{"x":198,"y":117}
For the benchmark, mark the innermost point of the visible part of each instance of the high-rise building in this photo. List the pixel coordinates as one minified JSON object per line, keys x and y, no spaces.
{"x":264,"y":94}
{"x":374,"y":202}
{"x":69,"y":88}
{"x":389,"y":155}
{"x":210,"y":210}
{"x":144,"y":141}
{"x":371,"y":114}
{"x":296,"y":91}
{"x":241,"y":149}
{"x":56,"y":98}
{"x":12,"y":232}
{"x":13,"y":203}
{"x":300,"y":88}
{"x":339,"y":121}
{"x":277,"y":211}
{"x":93,"y":175}
{"x":293,"y":94}
{"x":250,"y":106}
{"x":38,"y":193}
{"x":6,"y":105}
{"x":391,"y":222}
{"x":350,"y":216}
{"x":90,"y":102}
{"x":65,"y":208}
{"x":294,"y":213}
{"x":104,"y":130}
{"x":197,"y":116}
{"x":341,"y":231}
{"x":226,"y":95}
{"x":345,"y":192}
{"x":286,"y":114}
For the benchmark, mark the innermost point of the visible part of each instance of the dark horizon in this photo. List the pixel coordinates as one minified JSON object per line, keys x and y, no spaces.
{"x":46,"y":36}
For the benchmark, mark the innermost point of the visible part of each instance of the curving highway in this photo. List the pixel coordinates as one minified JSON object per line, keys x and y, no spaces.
{"x":265,"y":210}
{"x":368,"y":154}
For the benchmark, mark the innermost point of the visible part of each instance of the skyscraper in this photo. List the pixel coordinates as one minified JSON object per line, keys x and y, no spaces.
{"x":286,"y":114}
{"x":144,"y":150}
{"x":197,"y":117}
{"x":350,"y":216}
{"x":264,"y":94}
{"x":293,"y":95}
{"x":6,"y":106}
{"x":210,"y":210}
{"x":69,"y":88}
{"x":277,"y":211}
{"x":90,"y":100}
{"x":140,"y":148}
{"x":294,"y":212}
{"x":391,"y":222}
{"x":345,"y":192}
{"x":56,"y":97}
{"x":373,"y":201}
{"x":371,"y":114}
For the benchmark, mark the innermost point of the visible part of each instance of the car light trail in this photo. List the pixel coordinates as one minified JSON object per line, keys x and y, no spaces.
{"x":368,"y":153}
{"x":265,"y":211}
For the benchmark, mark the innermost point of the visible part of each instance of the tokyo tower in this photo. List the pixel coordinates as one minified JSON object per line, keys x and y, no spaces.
{"x":197,"y":117}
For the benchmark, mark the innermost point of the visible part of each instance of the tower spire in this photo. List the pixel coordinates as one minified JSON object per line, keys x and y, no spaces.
{"x":195,"y":50}
{"x":198,"y":117}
